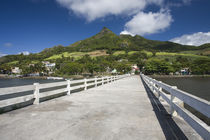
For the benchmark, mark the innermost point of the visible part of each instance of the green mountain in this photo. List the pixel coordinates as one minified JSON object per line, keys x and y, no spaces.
{"x":108,"y":51}
{"x":106,"y":39}
{"x":109,"y":42}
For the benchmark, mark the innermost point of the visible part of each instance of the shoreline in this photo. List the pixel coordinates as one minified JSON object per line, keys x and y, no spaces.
{"x":76,"y":77}
{"x":178,"y":76}
{"x":40,"y":77}
{"x":7,"y":77}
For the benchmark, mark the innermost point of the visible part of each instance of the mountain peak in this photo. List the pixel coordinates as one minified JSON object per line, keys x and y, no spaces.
{"x":105,"y":30}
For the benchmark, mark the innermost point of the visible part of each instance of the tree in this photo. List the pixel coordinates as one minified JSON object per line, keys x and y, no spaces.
{"x":185,"y":62}
{"x":157,"y":66}
{"x":71,"y":68}
{"x":201,"y":66}
{"x":123,"y":68}
{"x":136,"y":56}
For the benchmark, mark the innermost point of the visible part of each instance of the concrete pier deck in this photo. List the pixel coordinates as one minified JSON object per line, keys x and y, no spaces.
{"x":122,"y":110}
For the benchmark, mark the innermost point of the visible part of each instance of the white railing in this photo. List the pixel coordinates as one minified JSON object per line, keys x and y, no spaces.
{"x":175,"y":98}
{"x":36,"y":87}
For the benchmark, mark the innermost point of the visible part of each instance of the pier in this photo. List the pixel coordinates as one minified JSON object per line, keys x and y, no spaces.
{"x":115,"y":108}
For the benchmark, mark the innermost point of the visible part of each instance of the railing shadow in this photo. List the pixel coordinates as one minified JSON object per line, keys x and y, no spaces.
{"x":170,"y":129}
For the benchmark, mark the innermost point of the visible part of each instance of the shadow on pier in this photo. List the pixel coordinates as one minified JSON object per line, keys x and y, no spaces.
{"x":170,"y":129}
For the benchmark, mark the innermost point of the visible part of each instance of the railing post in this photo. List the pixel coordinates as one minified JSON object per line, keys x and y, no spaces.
{"x":102,"y":80}
{"x":95,"y":81}
{"x":36,"y":93}
{"x":171,"y":101}
{"x":153,"y":88}
{"x":68,"y":87}
{"x":159,"y":90}
{"x":85,"y":83}
{"x":150,"y":84}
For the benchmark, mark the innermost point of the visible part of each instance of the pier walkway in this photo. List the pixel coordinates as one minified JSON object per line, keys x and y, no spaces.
{"x":122,"y":110}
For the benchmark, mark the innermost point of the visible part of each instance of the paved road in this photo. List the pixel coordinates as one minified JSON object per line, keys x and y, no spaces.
{"x":117,"y":111}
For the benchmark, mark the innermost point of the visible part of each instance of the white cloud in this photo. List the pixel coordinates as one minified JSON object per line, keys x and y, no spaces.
{"x":142,"y":23}
{"x":148,"y":23}
{"x":127,"y":33}
{"x":93,"y":9}
{"x":8,"y":44}
{"x":186,"y":1}
{"x":2,"y":54}
{"x":196,"y":39}
{"x":24,"y":53}
{"x":177,"y":3}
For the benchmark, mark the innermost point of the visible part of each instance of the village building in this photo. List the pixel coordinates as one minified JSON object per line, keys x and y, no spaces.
{"x":16,"y":70}
{"x":185,"y":71}
{"x":134,"y":68}
{"x":49,"y":66}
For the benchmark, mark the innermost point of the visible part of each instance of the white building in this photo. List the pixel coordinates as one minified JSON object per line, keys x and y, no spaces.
{"x":49,"y":66}
{"x":134,"y":68}
{"x":16,"y":70}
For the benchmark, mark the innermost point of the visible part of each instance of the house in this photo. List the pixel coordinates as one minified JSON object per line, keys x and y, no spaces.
{"x":34,"y":74}
{"x":16,"y":70}
{"x":123,"y":60}
{"x":29,"y":65}
{"x":114,"y":71}
{"x":134,"y":68}
{"x":49,"y":66}
{"x":45,"y":62}
{"x":185,"y":71}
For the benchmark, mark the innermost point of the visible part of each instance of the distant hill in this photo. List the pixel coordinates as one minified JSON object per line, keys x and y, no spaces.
{"x":106,"y":39}
{"x":205,"y":46}
{"x":108,"y":42}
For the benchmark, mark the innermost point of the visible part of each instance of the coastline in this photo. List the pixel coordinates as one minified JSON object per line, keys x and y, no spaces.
{"x":3,"y":76}
{"x":178,"y":76}
{"x":7,"y":77}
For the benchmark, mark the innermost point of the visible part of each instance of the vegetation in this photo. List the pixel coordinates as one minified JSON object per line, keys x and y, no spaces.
{"x":106,"y":51}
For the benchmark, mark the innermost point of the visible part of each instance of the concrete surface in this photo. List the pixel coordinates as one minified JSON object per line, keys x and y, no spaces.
{"x":122,"y":110}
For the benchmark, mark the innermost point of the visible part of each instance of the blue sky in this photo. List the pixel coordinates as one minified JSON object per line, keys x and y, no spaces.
{"x":32,"y":25}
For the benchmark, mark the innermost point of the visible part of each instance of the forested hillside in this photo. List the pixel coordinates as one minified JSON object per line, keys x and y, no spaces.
{"x":107,"y":51}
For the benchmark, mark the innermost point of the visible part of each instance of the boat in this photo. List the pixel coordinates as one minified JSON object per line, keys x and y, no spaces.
{"x":55,"y":78}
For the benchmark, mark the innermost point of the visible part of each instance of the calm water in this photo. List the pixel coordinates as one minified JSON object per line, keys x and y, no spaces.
{"x":197,"y":86}
{"x":21,"y":82}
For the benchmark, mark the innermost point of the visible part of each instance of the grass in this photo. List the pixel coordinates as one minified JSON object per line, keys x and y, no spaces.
{"x":149,"y":54}
{"x":13,"y":63}
{"x":78,"y":55}
{"x":34,"y":62}
{"x":180,"y":54}
{"x":198,"y":52}
{"x":118,"y":53}
{"x":132,"y":52}
{"x":93,"y":54}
